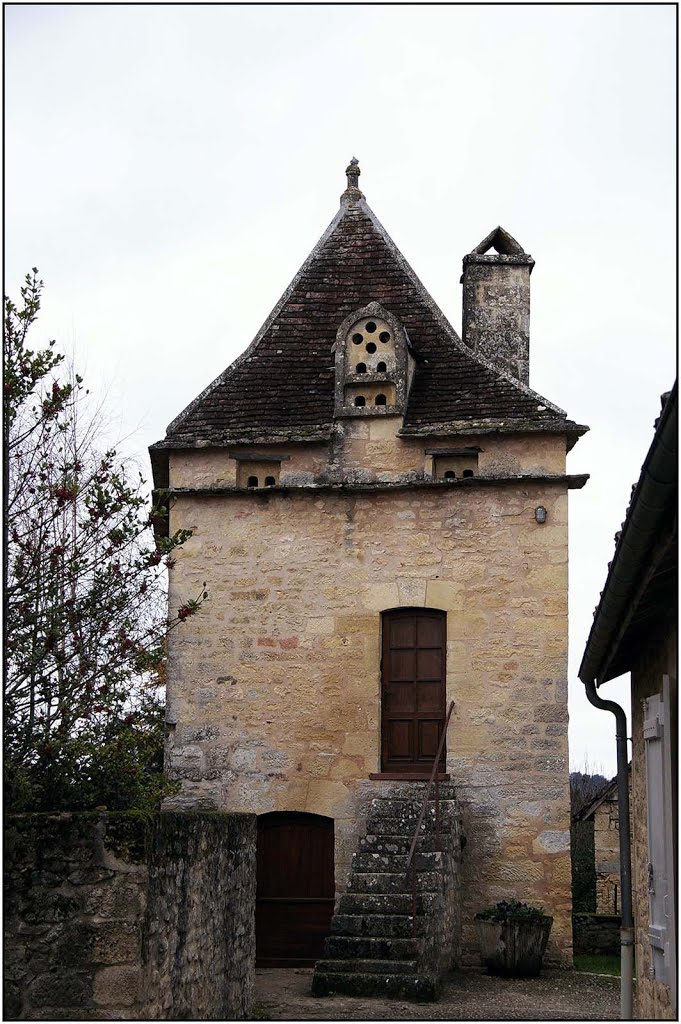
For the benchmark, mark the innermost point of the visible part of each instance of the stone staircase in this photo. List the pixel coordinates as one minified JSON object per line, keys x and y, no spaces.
{"x":373,"y":948}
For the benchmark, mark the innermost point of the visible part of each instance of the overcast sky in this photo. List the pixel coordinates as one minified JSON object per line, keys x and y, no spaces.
{"x":168,"y":169}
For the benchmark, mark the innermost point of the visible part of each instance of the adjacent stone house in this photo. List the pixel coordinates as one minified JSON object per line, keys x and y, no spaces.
{"x":380,"y":511}
{"x":603,"y":813}
{"x":635,"y":630}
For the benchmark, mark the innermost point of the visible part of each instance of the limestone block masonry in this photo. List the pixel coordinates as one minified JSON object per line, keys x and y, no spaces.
{"x":121,"y":917}
{"x":274,"y":693}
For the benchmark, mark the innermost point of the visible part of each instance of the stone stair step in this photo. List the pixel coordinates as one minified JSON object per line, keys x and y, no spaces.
{"x":400,"y":843}
{"x":365,"y":947}
{"x":382,"y":825}
{"x":418,"y":987}
{"x":375,"y":861}
{"x":367,"y":966}
{"x":386,"y":903}
{"x":398,"y":926}
{"x":389,"y":807}
{"x":417,"y":790}
{"x":393,"y":881}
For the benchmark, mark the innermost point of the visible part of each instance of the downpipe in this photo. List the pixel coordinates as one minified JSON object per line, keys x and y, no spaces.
{"x":627,"y":929}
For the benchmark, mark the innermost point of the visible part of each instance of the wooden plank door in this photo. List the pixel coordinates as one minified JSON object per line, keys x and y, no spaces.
{"x":413,"y":689}
{"x":295,"y":888}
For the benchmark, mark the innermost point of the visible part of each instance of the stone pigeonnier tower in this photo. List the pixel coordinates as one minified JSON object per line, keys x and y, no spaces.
{"x":380,"y":511}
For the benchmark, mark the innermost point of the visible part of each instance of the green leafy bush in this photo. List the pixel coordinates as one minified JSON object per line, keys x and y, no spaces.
{"x":511,"y":908}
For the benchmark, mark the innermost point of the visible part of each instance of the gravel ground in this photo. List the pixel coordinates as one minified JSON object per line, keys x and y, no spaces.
{"x":468,"y":995}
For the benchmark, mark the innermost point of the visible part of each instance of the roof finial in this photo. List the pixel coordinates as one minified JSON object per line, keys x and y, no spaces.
{"x":353,"y":172}
{"x":352,"y":192}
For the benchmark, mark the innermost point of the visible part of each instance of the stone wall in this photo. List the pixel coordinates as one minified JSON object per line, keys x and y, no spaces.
{"x":583,"y":866}
{"x":607,"y":856}
{"x":199,"y":938}
{"x":652,"y":996}
{"x":442,"y":938}
{"x":274,"y":693}
{"x":596,"y":933}
{"x":107,"y":916}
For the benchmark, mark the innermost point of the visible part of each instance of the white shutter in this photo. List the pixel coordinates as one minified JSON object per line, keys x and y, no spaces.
{"x":661,"y":933}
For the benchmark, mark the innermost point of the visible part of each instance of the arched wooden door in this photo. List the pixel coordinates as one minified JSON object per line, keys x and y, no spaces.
{"x":295,"y":888}
{"x":413,"y":689}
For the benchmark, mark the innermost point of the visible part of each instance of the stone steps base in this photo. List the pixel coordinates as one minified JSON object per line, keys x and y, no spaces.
{"x":417,"y":987}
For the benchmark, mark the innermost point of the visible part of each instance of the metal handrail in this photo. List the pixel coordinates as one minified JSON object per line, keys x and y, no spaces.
{"x":410,"y":859}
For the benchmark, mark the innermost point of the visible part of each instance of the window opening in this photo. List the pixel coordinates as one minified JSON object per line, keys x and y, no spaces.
{"x":269,"y":481}
{"x":361,"y":368}
{"x":381,"y":368}
{"x":467,"y":472}
{"x":252,"y":481}
{"x":380,"y":400}
{"x":360,"y":400}
{"x":450,"y":474}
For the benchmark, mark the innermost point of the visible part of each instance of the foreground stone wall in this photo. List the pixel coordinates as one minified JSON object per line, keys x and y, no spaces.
{"x":274,"y":693}
{"x":199,"y":938}
{"x":95,"y":904}
{"x":651,"y":996}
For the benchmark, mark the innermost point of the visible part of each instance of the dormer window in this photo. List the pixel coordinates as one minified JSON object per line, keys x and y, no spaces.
{"x":254,"y":471}
{"x":454,"y":463}
{"x":372,"y":344}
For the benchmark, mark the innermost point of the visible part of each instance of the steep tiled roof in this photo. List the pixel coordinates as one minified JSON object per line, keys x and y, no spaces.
{"x":641,"y":588}
{"x":283,"y":384}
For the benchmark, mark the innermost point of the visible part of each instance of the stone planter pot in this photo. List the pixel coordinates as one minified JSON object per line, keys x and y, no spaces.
{"x":514,"y":947}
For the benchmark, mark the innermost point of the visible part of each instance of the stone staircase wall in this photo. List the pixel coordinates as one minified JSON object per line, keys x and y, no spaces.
{"x":374,"y":947}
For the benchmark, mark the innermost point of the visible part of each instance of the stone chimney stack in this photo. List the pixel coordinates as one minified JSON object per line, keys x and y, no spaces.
{"x":496,"y":303}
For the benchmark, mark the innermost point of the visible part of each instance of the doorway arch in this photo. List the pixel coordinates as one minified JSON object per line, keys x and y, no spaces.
{"x":295,"y":888}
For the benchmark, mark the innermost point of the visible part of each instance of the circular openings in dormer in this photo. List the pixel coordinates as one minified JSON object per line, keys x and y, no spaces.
{"x":380,"y":400}
{"x":360,"y":400}
{"x":381,"y":368}
{"x":361,"y":368}
{"x":367,"y":336}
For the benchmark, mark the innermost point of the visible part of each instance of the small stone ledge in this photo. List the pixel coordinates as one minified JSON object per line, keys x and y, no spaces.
{"x":408,"y":777}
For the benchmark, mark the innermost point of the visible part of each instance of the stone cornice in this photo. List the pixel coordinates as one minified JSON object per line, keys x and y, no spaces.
{"x":570,"y":481}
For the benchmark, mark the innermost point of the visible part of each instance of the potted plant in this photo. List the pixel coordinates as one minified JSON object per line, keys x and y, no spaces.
{"x":513,"y":938}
